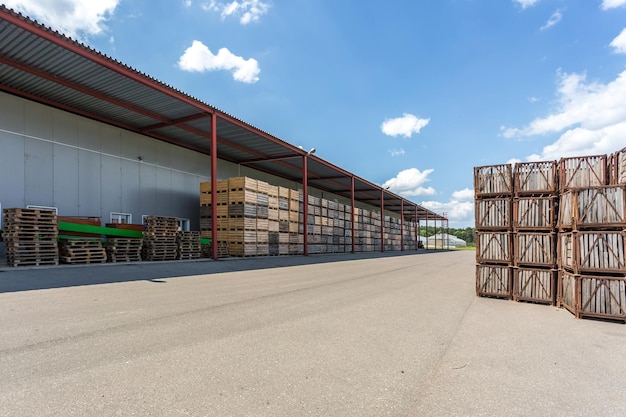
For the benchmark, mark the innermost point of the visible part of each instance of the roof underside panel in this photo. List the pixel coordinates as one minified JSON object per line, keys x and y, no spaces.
{"x":42,"y":65}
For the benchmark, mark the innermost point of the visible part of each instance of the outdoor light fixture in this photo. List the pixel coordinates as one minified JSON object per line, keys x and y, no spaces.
{"x":311,"y":152}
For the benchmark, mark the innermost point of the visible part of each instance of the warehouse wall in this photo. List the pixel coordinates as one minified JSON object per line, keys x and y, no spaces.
{"x":49,"y":157}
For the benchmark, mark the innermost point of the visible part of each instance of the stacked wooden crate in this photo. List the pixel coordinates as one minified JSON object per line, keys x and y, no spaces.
{"x":82,"y":251}
{"x":221,"y":204}
{"x":618,"y":167}
{"x":592,"y":224}
{"x":534,"y":227}
{"x":314,"y":225}
{"x":296,"y":236}
{"x":30,"y":237}
{"x":188,"y":245}
{"x":159,"y":238}
{"x":493,"y":192}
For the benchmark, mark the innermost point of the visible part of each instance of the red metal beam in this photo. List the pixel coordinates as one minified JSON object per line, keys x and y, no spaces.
{"x":214,"y":186}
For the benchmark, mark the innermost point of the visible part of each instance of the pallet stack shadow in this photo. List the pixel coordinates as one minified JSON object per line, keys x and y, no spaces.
{"x":160,"y":239}
{"x":534,"y":232}
{"x":592,"y":224}
{"x":30,"y":237}
{"x":493,"y":192}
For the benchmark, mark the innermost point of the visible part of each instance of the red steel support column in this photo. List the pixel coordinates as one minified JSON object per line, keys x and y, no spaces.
{"x":382,"y":220}
{"x":402,"y":225}
{"x":305,"y":204}
{"x":214,"y":186}
{"x":417,"y":231}
{"x":353,"y":211}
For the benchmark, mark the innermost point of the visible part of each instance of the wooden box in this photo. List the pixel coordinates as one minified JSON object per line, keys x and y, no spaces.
{"x":494,"y":281}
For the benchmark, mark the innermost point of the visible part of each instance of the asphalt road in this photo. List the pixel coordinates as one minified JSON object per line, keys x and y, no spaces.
{"x":318,"y":336}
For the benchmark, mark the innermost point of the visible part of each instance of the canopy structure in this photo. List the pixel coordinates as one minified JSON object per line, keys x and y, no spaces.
{"x":42,"y":65}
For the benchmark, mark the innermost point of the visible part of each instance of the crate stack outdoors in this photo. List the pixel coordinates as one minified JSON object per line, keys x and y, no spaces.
{"x":255,"y":218}
{"x":535,"y":187}
{"x":493,"y":192}
{"x":160,"y":238}
{"x":30,"y":237}
{"x":592,"y":224}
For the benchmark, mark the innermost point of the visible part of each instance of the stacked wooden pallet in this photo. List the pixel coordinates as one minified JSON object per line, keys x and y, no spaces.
{"x":30,"y":237}
{"x":534,"y":227}
{"x":159,"y":238}
{"x":123,"y":249}
{"x":493,"y":192}
{"x":82,"y":250}
{"x":188,"y":245}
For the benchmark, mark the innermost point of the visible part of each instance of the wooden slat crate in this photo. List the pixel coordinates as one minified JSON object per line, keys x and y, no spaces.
{"x":593,"y":208}
{"x":618,"y":167}
{"x":494,"y":248}
{"x":242,"y":183}
{"x":494,"y":214}
{"x":493,"y":180}
{"x":494,"y":281}
{"x":583,"y":172}
{"x":535,"y":177}
{"x":601,"y":251}
{"x":535,"y":249}
{"x":535,"y":285}
{"x":534,"y":213}
{"x":593,"y":296}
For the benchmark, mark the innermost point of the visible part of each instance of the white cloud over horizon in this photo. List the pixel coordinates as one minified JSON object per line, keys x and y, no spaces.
{"x":247,"y":10}
{"x":75,"y":18}
{"x":397,"y":152}
{"x":410,"y":183}
{"x":199,"y":58}
{"x":612,"y":4}
{"x":460,"y":214}
{"x":590,"y":118}
{"x":403,"y":126}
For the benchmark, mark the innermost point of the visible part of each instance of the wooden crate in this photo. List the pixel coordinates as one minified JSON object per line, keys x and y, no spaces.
{"x":493,"y":180}
{"x":535,"y":285}
{"x":593,"y":296}
{"x":81,"y":251}
{"x":601,"y":251}
{"x":535,"y":177}
{"x":534,"y":213}
{"x":494,"y":247}
{"x":494,"y":213}
{"x":618,"y":167}
{"x":593,"y":208}
{"x":535,"y":249}
{"x":583,"y":172}
{"x":494,"y":281}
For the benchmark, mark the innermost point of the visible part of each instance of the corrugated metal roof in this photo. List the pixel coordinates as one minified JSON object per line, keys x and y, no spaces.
{"x":42,"y":65}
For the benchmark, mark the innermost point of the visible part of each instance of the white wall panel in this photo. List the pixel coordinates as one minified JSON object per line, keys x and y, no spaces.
{"x":38,"y":172}
{"x":66,"y":179}
{"x":89,"y":192}
{"x":11,"y":170}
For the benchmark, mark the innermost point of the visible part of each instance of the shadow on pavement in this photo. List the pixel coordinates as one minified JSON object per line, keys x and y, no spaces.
{"x":37,"y":278}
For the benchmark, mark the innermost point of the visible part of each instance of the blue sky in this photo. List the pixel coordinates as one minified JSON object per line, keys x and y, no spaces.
{"x":407,"y":94}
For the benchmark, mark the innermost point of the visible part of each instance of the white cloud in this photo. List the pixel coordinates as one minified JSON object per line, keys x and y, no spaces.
{"x":619,"y":43}
{"x":553,"y":20}
{"x":199,"y":58}
{"x":187,"y":3}
{"x":612,"y":4}
{"x":460,"y":214}
{"x":410,"y":182}
{"x":526,"y":3}
{"x":466,"y":194}
{"x":247,"y":10}
{"x":397,"y":152}
{"x":590,"y":118}
{"x":74,"y":18}
{"x":405,"y":125}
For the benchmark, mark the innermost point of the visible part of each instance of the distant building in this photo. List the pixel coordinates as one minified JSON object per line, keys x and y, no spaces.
{"x":445,"y":241}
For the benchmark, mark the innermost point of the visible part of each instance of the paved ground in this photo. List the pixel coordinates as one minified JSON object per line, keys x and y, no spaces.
{"x":337,"y":335}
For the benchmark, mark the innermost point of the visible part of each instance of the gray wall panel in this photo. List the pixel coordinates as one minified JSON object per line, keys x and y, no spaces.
{"x":147,"y":190}
{"x":129,"y":145}
{"x":164,"y":192}
{"x":130,"y":190}
{"x":88,"y":134}
{"x":11,"y":170}
{"x":89,"y":193}
{"x":111,"y":185}
{"x":66,"y":180}
{"x":64,"y":128}
{"x":37,"y":120}
{"x":11,"y":113}
{"x":110,"y":140}
{"x":38,"y":172}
